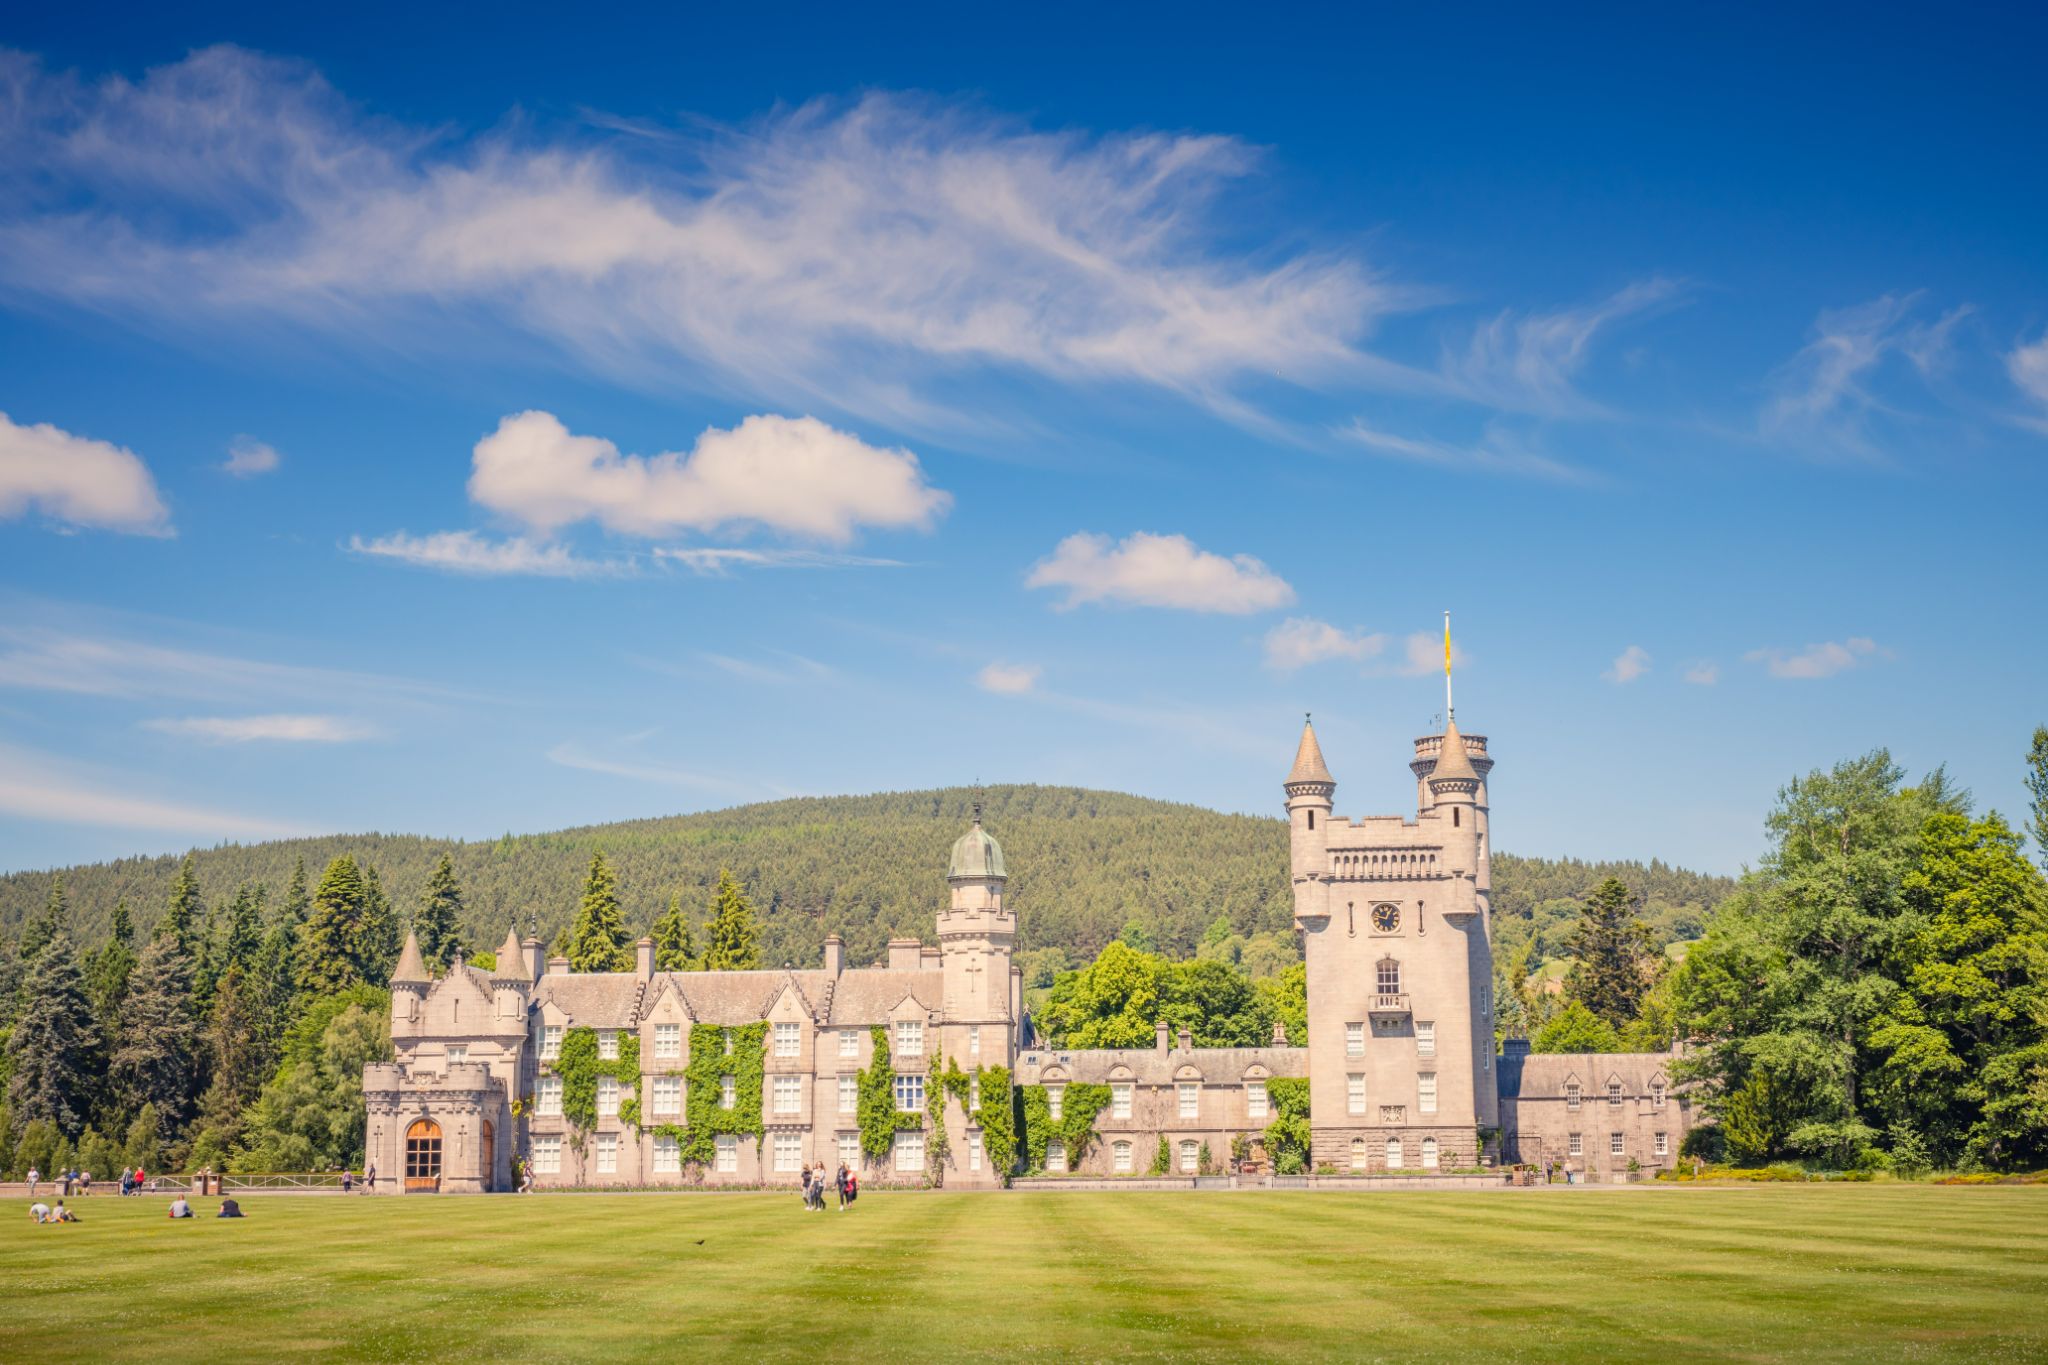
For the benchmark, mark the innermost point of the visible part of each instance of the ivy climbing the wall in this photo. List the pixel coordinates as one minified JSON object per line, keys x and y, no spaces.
{"x":1075,"y":1127}
{"x":880,"y":1120}
{"x":579,"y":1066}
{"x":1287,"y":1136}
{"x":997,"y":1118}
{"x":717,"y":1052}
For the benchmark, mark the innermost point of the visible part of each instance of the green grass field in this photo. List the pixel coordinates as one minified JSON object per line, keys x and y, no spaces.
{"x":1807,"y":1272}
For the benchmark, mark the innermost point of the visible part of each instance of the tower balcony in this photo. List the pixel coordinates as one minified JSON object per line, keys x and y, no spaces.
{"x":1396,"y":1003}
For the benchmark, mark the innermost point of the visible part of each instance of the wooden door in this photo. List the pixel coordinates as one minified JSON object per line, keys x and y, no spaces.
{"x":423,"y":1158}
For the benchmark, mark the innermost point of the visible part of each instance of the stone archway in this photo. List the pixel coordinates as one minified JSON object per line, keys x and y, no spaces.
{"x":423,"y":1157}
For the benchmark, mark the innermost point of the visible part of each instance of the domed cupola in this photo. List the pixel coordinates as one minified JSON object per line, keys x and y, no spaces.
{"x":977,"y":856}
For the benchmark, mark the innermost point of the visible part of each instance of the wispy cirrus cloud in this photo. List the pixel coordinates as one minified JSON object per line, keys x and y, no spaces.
{"x":1529,"y":361}
{"x":720,"y":561}
{"x":2027,"y":366}
{"x":1703,"y":673}
{"x":248,"y":457}
{"x":1828,"y":395}
{"x":639,"y":770}
{"x":1822,"y":660}
{"x":287,"y":729}
{"x":1012,"y":680}
{"x":1148,"y":570}
{"x":77,"y":480}
{"x":478,"y":556}
{"x":889,"y":237}
{"x":37,"y":787}
{"x":1629,"y":665}
{"x":1499,"y":451}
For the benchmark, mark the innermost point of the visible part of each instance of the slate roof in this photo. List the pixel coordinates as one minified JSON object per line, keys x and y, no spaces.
{"x":1150,"y":1066}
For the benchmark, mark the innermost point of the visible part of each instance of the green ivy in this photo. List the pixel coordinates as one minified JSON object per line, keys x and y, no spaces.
{"x":997,"y":1118}
{"x":709,"y":1061}
{"x":579,"y":1066}
{"x":879,"y":1119}
{"x":1075,"y":1128}
{"x":1287,"y":1136}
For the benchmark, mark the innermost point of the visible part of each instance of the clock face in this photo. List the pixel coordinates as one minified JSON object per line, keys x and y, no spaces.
{"x":1386,"y":918}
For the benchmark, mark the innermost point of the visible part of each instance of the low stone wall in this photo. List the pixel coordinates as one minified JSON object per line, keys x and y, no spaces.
{"x":1485,"y":1180}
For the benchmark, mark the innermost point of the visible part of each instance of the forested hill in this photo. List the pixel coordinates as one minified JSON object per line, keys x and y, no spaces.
{"x":1082,"y":863}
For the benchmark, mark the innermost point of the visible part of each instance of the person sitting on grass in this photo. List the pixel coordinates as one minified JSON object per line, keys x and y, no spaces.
{"x":229,"y":1208}
{"x":60,"y":1214}
{"x":39,"y":1212}
{"x":180,"y":1209}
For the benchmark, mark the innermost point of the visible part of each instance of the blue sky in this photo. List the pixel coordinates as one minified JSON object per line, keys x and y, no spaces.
{"x":452,"y":425}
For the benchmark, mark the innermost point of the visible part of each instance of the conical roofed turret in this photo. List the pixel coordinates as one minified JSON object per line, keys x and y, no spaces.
{"x":1308,"y":760}
{"x":411,"y":968}
{"x":512,"y":959}
{"x":1453,"y":764}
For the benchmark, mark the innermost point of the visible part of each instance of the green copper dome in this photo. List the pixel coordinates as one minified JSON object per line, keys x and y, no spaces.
{"x":975,"y":854}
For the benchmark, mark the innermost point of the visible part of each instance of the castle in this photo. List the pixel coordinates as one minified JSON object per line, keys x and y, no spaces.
{"x":1394,"y":915}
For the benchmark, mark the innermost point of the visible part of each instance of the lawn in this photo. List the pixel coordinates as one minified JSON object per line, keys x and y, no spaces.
{"x":1868,"y":1272}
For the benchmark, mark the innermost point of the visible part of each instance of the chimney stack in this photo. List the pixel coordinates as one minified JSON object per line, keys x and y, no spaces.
{"x":646,"y":950}
{"x":535,"y":962}
{"x":1279,"y":1034}
{"x":558,"y":964}
{"x":905,"y":954}
{"x":1161,"y":1026}
{"x":835,"y":955}
{"x":1187,"y":1041}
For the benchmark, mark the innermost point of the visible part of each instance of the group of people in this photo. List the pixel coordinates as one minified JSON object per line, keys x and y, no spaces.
{"x":77,"y":1182}
{"x":817,"y":1181}
{"x":348,"y":1179}
{"x":229,"y":1208}
{"x":43,"y":1213}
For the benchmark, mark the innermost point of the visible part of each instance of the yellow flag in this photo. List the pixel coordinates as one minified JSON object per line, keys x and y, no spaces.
{"x":1447,"y":645}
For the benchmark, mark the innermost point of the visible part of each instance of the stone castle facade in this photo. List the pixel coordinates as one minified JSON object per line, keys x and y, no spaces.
{"x":1394,"y":915}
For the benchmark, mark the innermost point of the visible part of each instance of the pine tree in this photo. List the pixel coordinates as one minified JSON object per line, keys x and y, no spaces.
{"x":109,"y":972}
{"x":597,"y":939}
{"x":2037,"y":794}
{"x":181,"y":914}
{"x":53,"y":1051}
{"x":235,"y":1053}
{"x":296,"y":901}
{"x":55,"y":916}
{"x":243,"y":937}
{"x":732,"y":932}
{"x":155,"y":1060}
{"x":438,"y":921}
{"x":275,"y":981}
{"x":673,"y":950}
{"x":1613,"y":954}
{"x":382,"y":932}
{"x":334,"y":952}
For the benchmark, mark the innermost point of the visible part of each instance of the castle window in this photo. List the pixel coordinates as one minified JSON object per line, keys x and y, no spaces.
{"x":458,"y":1053}
{"x":1389,"y":976}
{"x":1311,"y":819}
{"x":727,"y":1035}
{"x":1190,"y":1156}
{"x":727,"y":1149}
{"x":910,"y":1096}
{"x":551,"y":1040}
{"x":549,"y":1094}
{"x":1354,"y":1093}
{"x":974,"y":1092}
{"x":910,"y":1151}
{"x":668,"y":1155}
{"x":849,"y":1150}
{"x":788,"y":1039}
{"x":974,"y":1150}
{"x":1120,"y":1157}
{"x":1358,"y":1154}
{"x":1576,"y":1146}
{"x":668,"y":1040}
{"x":1354,"y":1039}
{"x":1120,"y":1101}
{"x":1425,"y":1038}
{"x":1454,"y":817}
{"x":1056,"y":1156}
{"x":910,"y":1040}
{"x":1055,"y":1102}
{"x":1255,"y":1099}
{"x":849,"y":1042}
{"x":1571,"y":1094}
{"x":1429,"y":1154}
{"x":1396,"y":1159}
{"x":1190,"y":1100}
{"x":974,"y":1040}
{"x":547,"y":1154}
{"x":849,"y":1094}
{"x":789,"y":1151}
{"x":1350,"y":919}
{"x":728,"y":1092}
{"x":667,"y":1097}
{"x":608,"y":1044}
{"x":1615,"y":1144}
{"x":607,"y":1097}
{"x":789,"y":1095}
{"x":1425,"y":1088}
{"x":1657,"y":1095}
{"x":608,"y":1154}
{"x":1663,"y":1144}
{"x":1614,"y":1094}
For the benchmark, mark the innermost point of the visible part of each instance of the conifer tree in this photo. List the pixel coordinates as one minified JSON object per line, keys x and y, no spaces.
{"x":382,"y":932}
{"x":243,"y":936}
{"x":334,"y":952}
{"x":44,"y":927}
{"x":111,"y":968}
{"x":732,"y":932}
{"x":2037,"y":794}
{"x":296,"y":902}
{"x":182,"y":912}
{"x":1613,"y":954}
{"x":235,"y":1054}
{"x":673,"y":949}
{"x":53,"y":1050}
{"x":154,"y":1061}
{"x":597,"y":938}
{"x":438,"y":921}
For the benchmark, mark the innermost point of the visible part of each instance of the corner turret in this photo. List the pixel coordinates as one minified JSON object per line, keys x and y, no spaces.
{"x":1310,"y":789}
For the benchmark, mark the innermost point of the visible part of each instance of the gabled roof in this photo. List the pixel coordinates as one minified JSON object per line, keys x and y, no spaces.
{"x":871,"y":995}
{"x":592,"y":999}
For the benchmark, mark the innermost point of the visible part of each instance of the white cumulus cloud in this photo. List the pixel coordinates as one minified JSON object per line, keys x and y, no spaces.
{"x":1300,"y":641}
{"x":1821,"y":660}
{"x":1705,"y":673}
{"x":793,"y":475}
{"x":1009,"y":679}
{"x":466,"y":552}
{"x":77,"y":480}
{"x":1629,"y":665}
{"x":285,"y":728}
{"x":248,"y":457}
{"x":1148,"y":570}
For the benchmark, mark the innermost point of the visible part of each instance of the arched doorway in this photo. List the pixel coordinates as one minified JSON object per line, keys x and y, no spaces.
{"x":423,"y":1157}
{"x":490,"y":1171}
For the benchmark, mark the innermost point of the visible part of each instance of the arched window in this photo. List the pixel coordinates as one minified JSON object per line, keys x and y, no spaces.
{"x":1358,"y":1154}
{"x":1395,"y":1161}
{"x":1190,"y":1155}
{"x":1389,"y":976}
{"x":423,"y":1157}
{"x":1429,"y":1154}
